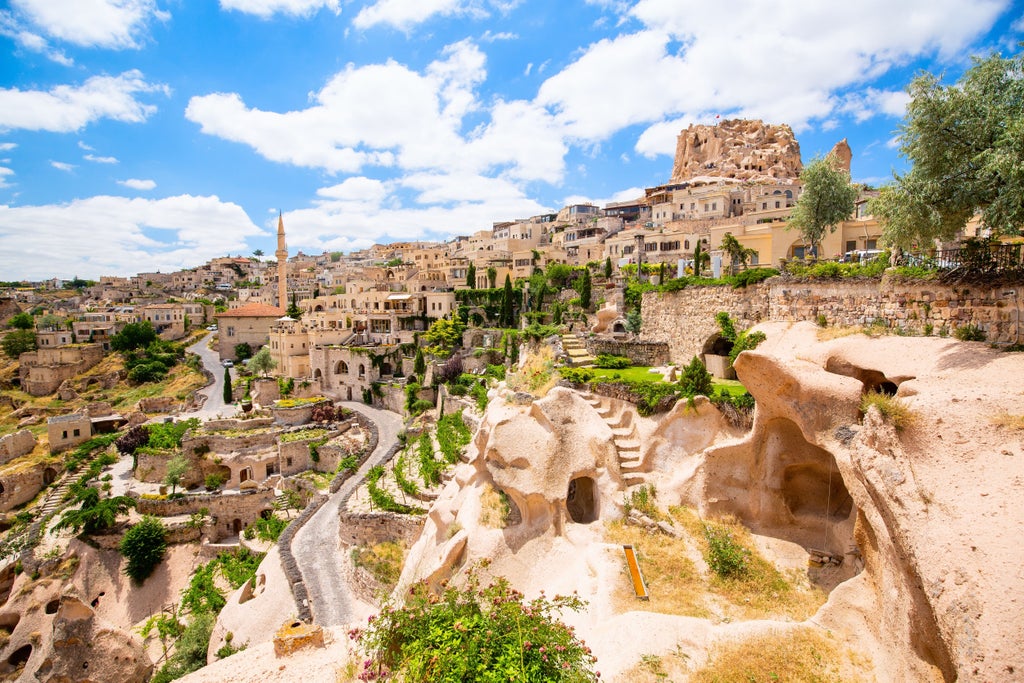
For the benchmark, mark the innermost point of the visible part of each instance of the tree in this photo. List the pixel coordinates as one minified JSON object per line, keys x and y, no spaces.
{"x":419,"y":366}
{"x":827,"y":200}
{"x":22,"y":321}
{"x":492,"y":277}
{"x":964,"y":144}
{"x":133,"y":336}
{"x":228,"y":396}
{"x":700,"y":257}
{"x":243,"y":351}
{"x":507,"y":304}
{"x":293,"y":309}
{"x":444,"y":335}
{"x":176,"y":468}
{"x":143,"y":546}
{"x":582,"y":287}
{"x":608,"y":267}
{"x":257,"y":253}
{"x":738,"y":254}
{"x":262,"y":362}
{"x":19,"y":342}
{"x":93,"y":514}
{"x":471,"y":276}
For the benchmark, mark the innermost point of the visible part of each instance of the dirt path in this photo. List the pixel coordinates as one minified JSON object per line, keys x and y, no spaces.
{"x":317,"y":548}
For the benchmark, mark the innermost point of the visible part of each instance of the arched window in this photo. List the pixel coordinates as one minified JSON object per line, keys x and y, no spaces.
{"x":341,"y":368}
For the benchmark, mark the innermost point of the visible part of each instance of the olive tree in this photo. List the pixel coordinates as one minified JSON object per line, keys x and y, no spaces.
{"x":827,"y":199}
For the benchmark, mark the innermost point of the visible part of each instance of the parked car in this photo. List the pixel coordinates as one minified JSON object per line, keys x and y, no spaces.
{"x":228,"y":364}
{"x":860,"y":256}
{"x":212,"y":328}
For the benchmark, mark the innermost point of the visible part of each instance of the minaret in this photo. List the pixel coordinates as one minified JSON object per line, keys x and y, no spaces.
{"x":282,"y":265}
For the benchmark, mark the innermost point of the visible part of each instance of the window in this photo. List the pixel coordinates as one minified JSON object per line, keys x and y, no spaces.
{"x":714,"y":206}
{"x":764,"y":205}
{"x":231,"y":331}
{"x":776,"y":205}
{"x":78,"y":432}
{"x":64,"y":435}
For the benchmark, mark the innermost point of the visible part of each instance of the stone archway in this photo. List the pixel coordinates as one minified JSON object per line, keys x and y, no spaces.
{"x":581,"y":500}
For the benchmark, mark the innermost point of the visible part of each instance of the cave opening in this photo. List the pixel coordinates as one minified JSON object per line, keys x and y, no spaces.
{"x":581,"y":500}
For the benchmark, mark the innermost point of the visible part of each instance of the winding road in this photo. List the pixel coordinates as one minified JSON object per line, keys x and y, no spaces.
{"x":214,"y":405}
{"x":317,"y":546}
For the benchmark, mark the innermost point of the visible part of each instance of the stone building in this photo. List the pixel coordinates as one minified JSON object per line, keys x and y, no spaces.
{"x":249,"y":324}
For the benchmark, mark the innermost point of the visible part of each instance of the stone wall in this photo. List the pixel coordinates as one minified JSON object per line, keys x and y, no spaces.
{"x":16,"y":445}
{"x":43,"y":370}
{"x":227,"y":510}
{"x":370,"y":528}
{"x":685,"y":319}
{"x":18,"y":485}
{"x":640,"y":353}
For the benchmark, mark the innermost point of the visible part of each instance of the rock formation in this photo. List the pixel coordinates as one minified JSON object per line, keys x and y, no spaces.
{"x":842,"y":155}
{"x":737,"y":148}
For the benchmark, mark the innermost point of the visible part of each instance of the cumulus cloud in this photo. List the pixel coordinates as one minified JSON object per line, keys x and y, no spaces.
{"x":68,"y":108}
{"x":5,"y":173}
{"x":115,"y":24}
{"x":136,"y":184}
{"x":164,"y":234}
{"x":268,"y":8}
{"x":7,"y":146}
{"x":62,"y":166}
{"x":387,"y":115}
{"x":405,"y":14}
{"x":798,"y":63}
{"x":100,"y":160}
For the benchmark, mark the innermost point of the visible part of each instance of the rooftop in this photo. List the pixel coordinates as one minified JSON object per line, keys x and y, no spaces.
{"x":253,"y":310}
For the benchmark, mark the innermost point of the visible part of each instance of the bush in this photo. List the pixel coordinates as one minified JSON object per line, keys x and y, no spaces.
{"x":214,"y":481}
{"x":143,"y":546}
{"x":576,"y":375}
{"x":134,"y":438}
{"x":475,"y":634}
{"x":267,"y":530}
{"x":892,"y":409}
{"x":611,"y":362}
{"x":189,"y":650}
{"x":969,"y":333}
{"x":696,"y":379}
{"x":724,"y":556}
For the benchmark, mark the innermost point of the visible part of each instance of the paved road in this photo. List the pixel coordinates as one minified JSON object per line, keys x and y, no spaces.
{"x":214,"y":405}
{"x":317,"y":547}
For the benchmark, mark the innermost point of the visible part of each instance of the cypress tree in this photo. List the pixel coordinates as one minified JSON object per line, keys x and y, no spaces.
{"x":471,"y":276}
{"x":507,"y":313}
{"x":584,"y":289}
{"x":608,"y":267}
{"x":227,"y":386}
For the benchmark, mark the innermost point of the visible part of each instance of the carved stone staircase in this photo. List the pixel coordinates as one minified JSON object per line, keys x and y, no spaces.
{"x":624,"y":436}
{"x":576,"y":351}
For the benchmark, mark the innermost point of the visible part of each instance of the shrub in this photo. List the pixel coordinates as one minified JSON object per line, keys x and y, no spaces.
{"x":745,"y":341}
{"x":724,"y":556}
{"x":267,"y":530}
{"x":475,"y":634}
{"x":969,"y":333}
{"x":189,"y":651}
{"x":132,"y":439}
{"x":143,"y":546}
{"x":612,"y":362}
{"x":642,"y":500}
{"x":576,"y":375}
{"x":214,"y":481}
{"x":696,"y":379}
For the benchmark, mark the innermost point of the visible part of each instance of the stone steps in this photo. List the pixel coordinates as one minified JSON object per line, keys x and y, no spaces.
{"x":576,"y":351}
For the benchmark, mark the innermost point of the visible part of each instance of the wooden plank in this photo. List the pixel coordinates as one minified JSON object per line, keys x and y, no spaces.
{"x":639,"y":587}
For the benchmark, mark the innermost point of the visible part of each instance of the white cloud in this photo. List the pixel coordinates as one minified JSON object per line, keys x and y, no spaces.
{"x":387,"y":115}
{"x":164,"y":234}
{"x":62,"y":166}
{"x":867,"y":103}
{"x":67,"y":108}
{"x":7,"y":146}
{"x":796,"y":63}
{"x":4,"y":173}
{"x":100,"y":160}
{"x":491,"y":37}
{"x":404,"y":14}
{"x":136,"y":184}
{"x":358,"y":189}
{"x":87,"y":148}
{"x":267,"y":8}
{"x":1018,"y":25}
{"x":115,"y":24}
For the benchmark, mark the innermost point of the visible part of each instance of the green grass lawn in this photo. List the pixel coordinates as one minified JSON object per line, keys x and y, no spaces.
{"x":643,"y":373}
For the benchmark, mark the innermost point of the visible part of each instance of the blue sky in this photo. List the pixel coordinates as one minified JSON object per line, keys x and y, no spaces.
{"x":143,"y":135}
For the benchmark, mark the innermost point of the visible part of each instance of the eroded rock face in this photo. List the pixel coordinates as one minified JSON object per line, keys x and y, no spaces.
{"x":737,"y":148}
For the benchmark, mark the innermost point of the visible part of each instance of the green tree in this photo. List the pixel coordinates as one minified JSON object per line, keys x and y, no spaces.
{"x":964,"y":144}
{"x":243,"y":351}
{"x":608,"y":267}
{"x":262,"y":362}
{"x":22,"y":321}
{"x":143,"y":546}
{"x":444,"y":335}
{"x":93,"y":514}
{"x":700,"y":257}
{"x":827,"y":199}
{"x":582,"y":287}
{"x":419,"y":366}
{"x":492,"y":277}
{"x":293,"y":309}
{"x":133,"y":336}
{"x":228,"y":396}
{"x":19,"y":342}
{"x":738,"y":254}
{"x":471,"y":276}
{"x":176,"y":468}
{"x":257,"y":253}
{"x":507,"y":304}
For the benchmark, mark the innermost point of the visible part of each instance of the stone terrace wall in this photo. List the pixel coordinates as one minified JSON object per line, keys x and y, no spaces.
{"x":640,"y":353}
{"x":901,"y":305}
{"x":370,"y":528}
{"x":16,"y":445}
{"x":686,"y":319}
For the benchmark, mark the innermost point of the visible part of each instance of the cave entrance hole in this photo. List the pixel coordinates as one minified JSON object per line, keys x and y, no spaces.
{"x":20,"y":656}
{"x":872,"y":380}
{"x":581,"y":500}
